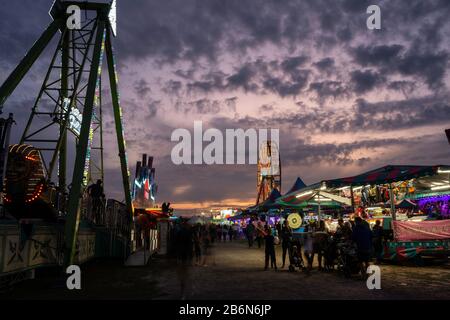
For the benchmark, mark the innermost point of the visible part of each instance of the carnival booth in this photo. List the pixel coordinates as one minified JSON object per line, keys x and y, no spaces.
{"x":412,"y":202}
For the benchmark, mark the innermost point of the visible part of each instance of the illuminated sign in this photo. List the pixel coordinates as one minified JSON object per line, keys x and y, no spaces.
{"x":75,"y":118}
{"x":113,"y":17}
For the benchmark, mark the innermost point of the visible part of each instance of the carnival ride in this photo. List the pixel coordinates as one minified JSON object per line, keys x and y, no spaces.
{"x":68,"y":103}
{"x":268,"y":170}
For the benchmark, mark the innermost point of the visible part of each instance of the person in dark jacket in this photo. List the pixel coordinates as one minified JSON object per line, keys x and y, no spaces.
{"x":362,"y":236}
{"x":230,"y":233}
{"x":286,"y":235}
{"x":269,"y":248}
{"x":377,"y":234}
{"x":250,"y":233}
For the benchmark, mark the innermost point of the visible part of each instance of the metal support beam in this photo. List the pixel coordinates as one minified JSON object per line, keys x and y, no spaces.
{"x":392,"y":202}
{"x":63,"y":95}
{"x":118,"y":121}
{"x":22,"y":68}
{"x":73,"y":216}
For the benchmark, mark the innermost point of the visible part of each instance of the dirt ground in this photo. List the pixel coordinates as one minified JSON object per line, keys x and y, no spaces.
{"x":237,"y":274}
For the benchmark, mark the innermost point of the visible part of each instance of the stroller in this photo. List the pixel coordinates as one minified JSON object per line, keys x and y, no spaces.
{"x":331,"y":254}
{"x":295,"y":256}
{"x":347,"y":259}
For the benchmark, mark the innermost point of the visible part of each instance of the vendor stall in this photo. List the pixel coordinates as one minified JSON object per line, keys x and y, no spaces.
{"x":392,"y":194}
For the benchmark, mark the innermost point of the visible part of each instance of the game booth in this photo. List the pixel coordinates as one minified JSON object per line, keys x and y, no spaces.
{"x":412,"y":203}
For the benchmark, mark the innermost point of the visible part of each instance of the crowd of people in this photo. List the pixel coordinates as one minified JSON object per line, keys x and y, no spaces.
{"x":315,"y":241}
{"x":195,"y":242}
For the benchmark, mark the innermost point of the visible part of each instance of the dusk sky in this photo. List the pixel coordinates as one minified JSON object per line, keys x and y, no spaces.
{"x":345,"y":98}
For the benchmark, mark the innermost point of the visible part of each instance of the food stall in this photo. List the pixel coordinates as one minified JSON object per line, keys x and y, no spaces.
{"x":401,"y":197}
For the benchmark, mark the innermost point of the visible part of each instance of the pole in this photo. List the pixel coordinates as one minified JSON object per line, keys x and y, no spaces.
{"x":353,"y":198}
{"x":391,"y":198}
{"x":118,"y":121}
{"x":73,"y":216}
{"x":319,"y":209}
{"x":64,"y":94}
{"x":22,"y":68}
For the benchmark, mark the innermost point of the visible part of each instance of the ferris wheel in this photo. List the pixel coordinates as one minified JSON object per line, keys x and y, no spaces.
{"x":268,"y":170}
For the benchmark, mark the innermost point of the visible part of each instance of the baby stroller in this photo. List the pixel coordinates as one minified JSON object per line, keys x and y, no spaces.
{"x":348,"y":259}
{"x":330,"y":254}
{"x":295,"y":256}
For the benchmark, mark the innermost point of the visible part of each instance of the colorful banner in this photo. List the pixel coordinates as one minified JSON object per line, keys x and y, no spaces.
{"x":424,"y":230}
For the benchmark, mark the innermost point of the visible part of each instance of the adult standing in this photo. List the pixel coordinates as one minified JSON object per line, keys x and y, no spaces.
{"x":269,"y":248}
{"x":377,"y":234}
{"x":184,"y":243}
{"x":362,"y":236}
{"x":95,"y":191}
{"x":219,"y":232}
{"x":286,"y":237}
{"x":260,"y":233}
{"x":250,"y":233}
{"x":224,"y":232}
{"x":308,"y":246}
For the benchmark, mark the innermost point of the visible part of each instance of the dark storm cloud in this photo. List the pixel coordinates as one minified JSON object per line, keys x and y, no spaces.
{"x":268,"y":47}
{"x":290,"y":87}
{"x":362,"y":116}
{"x":292,"y":63}
{"x":377,"y":55}
{"x":327,"y":89}
{"x":332,"y":153}
{"x":325,"y":65}
{"x":406,"y":87}
{"x":209,"y":82}
{"x":430,"y":66}
{"x":283,"y":78}
{"x":364,"y":81}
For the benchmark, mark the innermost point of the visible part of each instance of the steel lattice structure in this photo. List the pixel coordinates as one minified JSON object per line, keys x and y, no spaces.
{"x":69,"y":102}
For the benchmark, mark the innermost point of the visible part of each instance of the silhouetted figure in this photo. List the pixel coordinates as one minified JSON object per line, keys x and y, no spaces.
{"x":95,"y":191}
{"x":269,"y":248}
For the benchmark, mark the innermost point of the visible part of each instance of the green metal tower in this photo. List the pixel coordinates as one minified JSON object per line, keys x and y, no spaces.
{"x":69,"y":102}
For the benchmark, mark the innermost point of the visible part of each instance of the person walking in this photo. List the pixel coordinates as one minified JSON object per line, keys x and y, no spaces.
{"x":286,"y":237}
{"x":269,"y":248}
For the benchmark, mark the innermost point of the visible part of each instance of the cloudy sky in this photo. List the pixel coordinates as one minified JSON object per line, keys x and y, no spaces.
{"x":346,"y":99}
